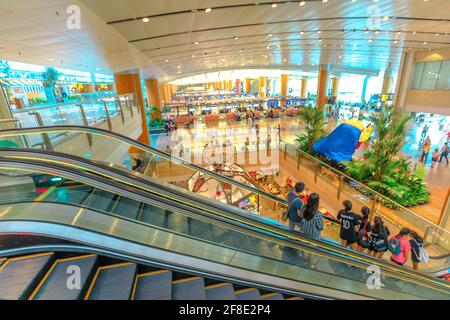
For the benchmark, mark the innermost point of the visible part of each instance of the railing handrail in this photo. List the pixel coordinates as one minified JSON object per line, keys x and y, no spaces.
{"x":339,"y":173}
{"x":9,"y":120}
{"x":59,"y":105}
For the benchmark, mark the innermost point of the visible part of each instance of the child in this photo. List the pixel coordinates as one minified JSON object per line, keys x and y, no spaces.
{"x":435,"y":157}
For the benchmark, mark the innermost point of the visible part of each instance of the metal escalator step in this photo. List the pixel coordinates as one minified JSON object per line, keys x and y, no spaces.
{"x":18,"y":276}
{"x":272,"y":296}
{"x":221,"y":291}
{"x":61,"y":283}
{"x":189,"y":289}
{"x":113,"y":282}
{"x":248,"y":294}
{"x":153,"y":286}
{"x":128,"y":208}
{"x":153,"y":215}
{"x":101,"y":200}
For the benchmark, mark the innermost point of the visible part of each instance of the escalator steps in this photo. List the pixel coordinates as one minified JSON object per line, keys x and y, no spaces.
{"x":61,"y":283}
{"x":248,"y":294}
{"x":153,"y":286}
{"x":189,"y":289}
{"x":18,"y":276}
{"x":128,"y":208}
{"x":295,"y":298}
{"x":113,"y":282}
{"x":272,"y":296}
{"x":221,"y":291}
{"x":152,"y":215}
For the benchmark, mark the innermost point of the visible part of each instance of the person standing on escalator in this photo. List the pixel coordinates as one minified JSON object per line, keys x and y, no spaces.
{"x":349,"y":223}
{"x":295,"y":210}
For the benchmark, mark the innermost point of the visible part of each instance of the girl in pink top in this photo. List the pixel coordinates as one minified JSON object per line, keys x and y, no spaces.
{"x":405,"y":248}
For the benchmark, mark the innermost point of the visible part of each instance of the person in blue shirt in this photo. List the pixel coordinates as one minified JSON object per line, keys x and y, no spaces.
{"x":296,"y":205}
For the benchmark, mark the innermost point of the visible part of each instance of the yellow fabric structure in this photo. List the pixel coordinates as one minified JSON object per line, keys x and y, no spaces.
{"x":366,"y":133}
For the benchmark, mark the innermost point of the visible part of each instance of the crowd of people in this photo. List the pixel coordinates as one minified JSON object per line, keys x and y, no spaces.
{"x":357,"y":232}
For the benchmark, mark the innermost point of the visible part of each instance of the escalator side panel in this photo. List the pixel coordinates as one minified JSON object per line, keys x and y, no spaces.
{"x":101,"y":200}
{"x":153,"y":286}
{"x":113,"y":282}
{"x":72,"y":195}
{"x":54,"y":286}
{"x":128,"y":208}
{"x":153,"y":215}
{"x":248,"y":294}
{"x":19,"y":276}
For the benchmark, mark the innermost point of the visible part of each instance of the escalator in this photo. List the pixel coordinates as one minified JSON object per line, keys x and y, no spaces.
{"x":44,"y":276}
{"x":159,"y":223}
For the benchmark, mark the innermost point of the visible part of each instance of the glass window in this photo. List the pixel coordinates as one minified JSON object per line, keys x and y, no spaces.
{"x":430,"y":75}
{"x":418,"y":73}
{"x":444,"y":78}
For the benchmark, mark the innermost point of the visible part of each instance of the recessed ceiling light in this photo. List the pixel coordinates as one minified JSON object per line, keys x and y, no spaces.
{"x":274,"y":5}
{"x":145,"y":20}
{"x":302,"y":3}
{"x":167,"y":60}
{"x":51,"y":59}
{"x":196,"y":43}
{"x":208,"y":10}
{"x":320,"y":31}
{"x":302,"y":32}
{"x":270,"y":34}
{"x":236,"y":38}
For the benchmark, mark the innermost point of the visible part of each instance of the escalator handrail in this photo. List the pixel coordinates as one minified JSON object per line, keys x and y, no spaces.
{"x":137,"y":144}
{"x":355,"y":257}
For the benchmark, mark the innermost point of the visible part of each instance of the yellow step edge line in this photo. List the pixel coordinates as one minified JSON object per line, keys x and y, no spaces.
{"x":245,"y":290}
{"x":47,"y":274}
{"x":133,"y":292}
{"x":118,"y":265}
{"x":77,"y":258}
{"x":45,"y":194}
{"x":144,"y":275}
{"x":24,"y":258}
{"x":295,"y":298}
{"x":51,"y":269}
{"x":186,"y":280}
{"x":217,"y":285}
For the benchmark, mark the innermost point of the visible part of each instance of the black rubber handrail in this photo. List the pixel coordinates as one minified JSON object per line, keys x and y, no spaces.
{"x":139,"y":145}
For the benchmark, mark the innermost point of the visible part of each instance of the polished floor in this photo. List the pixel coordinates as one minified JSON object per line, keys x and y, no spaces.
{"x":199,"y":134}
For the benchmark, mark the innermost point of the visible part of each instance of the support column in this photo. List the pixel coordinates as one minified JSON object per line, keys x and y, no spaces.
{"x":322,"y":85}
{"x":248,"y":85}
{"x":154,"y":96}
{"x":335,"y":87}
{"x":262,"y":87}
{"x":131,"y":83}
{"x":304,"y":89}
{"x":238,"y":86}
{"x":284,"y":88}
{"x":387,"y":83}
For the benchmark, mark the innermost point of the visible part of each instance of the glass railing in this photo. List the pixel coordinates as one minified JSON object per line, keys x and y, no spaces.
{"x":391,"y":211}
{"x":45,"y":197}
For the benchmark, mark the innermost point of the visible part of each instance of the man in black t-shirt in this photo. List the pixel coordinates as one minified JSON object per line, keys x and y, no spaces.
{"x":349,"y":222}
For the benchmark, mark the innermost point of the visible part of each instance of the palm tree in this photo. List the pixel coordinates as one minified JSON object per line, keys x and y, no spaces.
{"x":314,"y":122}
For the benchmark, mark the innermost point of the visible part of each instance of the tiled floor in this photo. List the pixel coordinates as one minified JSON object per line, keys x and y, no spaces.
{"x":201,"y":133}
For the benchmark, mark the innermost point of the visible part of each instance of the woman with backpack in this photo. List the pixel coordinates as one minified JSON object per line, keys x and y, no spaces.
{"x":400,"y":247}
{"x":365,"y":228}
{"x":379,"y":238}
{"x":417,"y":250}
